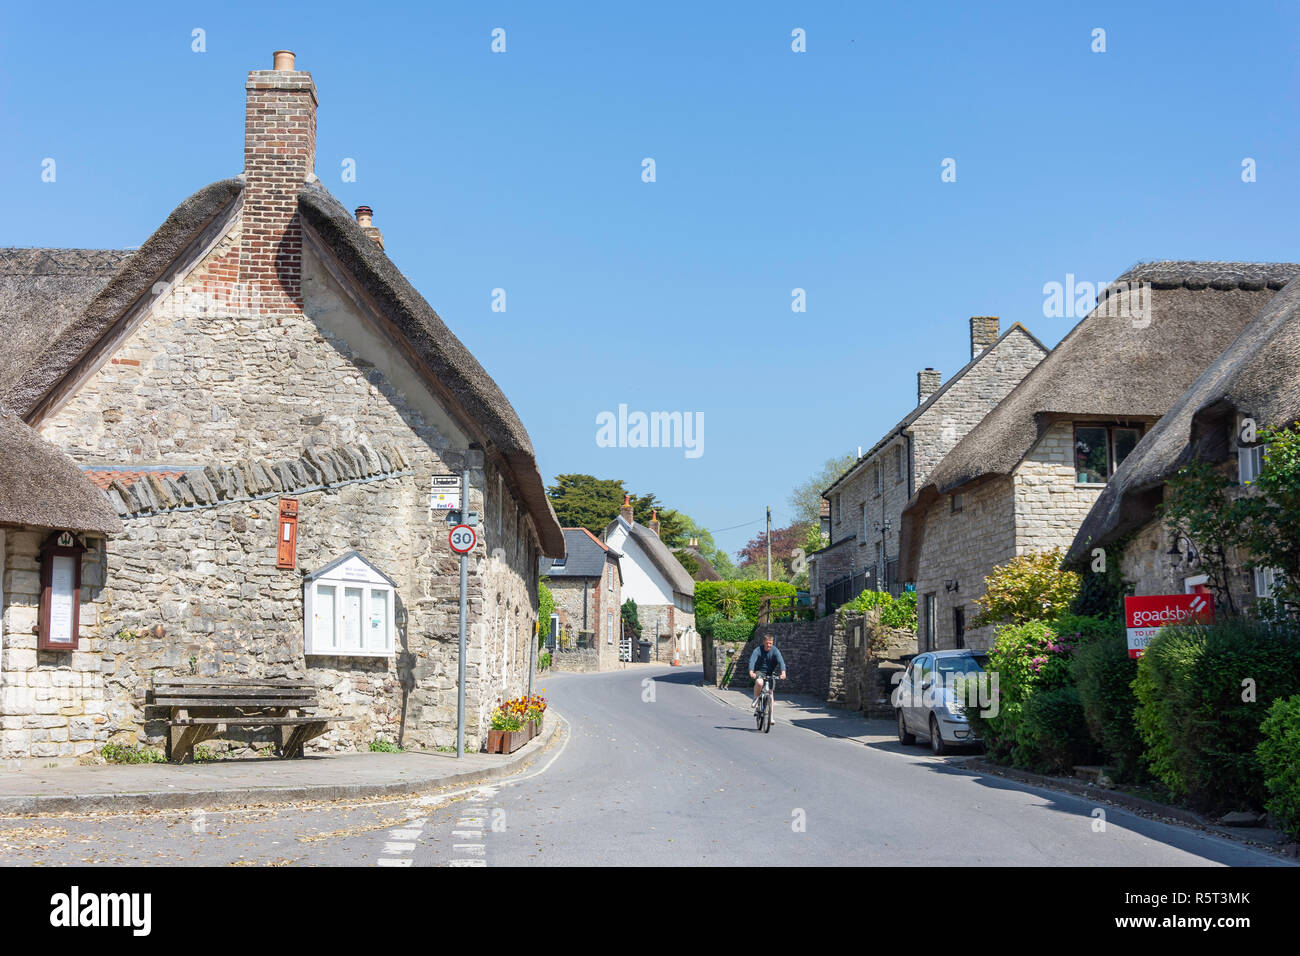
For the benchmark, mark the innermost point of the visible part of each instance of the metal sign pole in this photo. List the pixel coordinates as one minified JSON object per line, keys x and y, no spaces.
{"x":460,"y":664}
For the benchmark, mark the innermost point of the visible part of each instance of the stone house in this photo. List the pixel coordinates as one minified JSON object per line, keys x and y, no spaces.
{"x":261,"y":393}
{"x":866,"y":502}
{"x":587,"y":584}
{"x":662,"y":589}
{"x":1025,"y":478}
{"x":1257,"y":379}
{"x":53,"y":525}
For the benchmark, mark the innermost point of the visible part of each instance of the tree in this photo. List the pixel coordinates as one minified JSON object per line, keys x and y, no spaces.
{"x":584,"y":501}
{"x":806,"y":499}
{"x":753,"y":556}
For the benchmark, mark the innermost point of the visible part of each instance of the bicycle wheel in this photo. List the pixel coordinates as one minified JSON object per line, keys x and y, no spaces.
{"x":758,"y":714}
{"x":767,"y":716}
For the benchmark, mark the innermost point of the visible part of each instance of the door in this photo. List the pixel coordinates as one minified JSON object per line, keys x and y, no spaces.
{"x":959,"y":626}
{"x":918,"y":715}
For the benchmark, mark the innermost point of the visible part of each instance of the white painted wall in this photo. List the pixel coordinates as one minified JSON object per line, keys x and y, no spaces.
{"x":642,"y":581}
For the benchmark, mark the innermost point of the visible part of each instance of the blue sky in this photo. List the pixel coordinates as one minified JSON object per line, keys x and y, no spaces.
{"x":775,"y":170}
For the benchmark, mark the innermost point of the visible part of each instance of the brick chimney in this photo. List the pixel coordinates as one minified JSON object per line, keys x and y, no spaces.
{"x":626,"y":510}
{"x":654,"y":521}
{"x":927,"y":383}
{"x":279,"y":155}
{"x":364,"y":213}
{"x":983,"y":333}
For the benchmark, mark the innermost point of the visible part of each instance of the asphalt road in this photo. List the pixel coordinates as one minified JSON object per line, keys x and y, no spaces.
{"x":651,"y":769}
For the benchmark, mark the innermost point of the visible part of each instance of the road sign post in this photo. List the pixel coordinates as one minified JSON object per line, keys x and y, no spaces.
{"x":464,"y":588}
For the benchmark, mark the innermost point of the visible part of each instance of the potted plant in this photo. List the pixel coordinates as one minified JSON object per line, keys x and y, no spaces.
{"x":515,"y":722}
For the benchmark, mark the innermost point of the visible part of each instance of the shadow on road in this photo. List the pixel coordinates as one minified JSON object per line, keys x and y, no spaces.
{"x":686,"y":675}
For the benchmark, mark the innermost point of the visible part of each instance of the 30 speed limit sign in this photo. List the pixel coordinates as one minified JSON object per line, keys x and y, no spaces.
{"x":462,"y":538}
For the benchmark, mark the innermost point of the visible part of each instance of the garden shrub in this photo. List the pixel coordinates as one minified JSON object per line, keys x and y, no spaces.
{"x":1279,"y":756}
{"x":895,"y":612}
{"x":733,"y":630}
{"x":1103,"y":675}
{"x":1052,"y":736}
{"x":1021,"y":662}
{"x":1203,"y":693}
{"x":1029,"y":587}
{"x":710,"y":597}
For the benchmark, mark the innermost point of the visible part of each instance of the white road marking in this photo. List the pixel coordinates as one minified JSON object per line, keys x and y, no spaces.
{"x":473,"y":849}
{"x":468,"y":834}
{"x":468,"y":863}
{"x":406,"y":834}
{"x":392,"y":847}
{"x":393,"y":861}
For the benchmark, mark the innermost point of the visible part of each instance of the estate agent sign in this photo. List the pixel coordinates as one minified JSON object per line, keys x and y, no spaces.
{"x":1145,"y":615}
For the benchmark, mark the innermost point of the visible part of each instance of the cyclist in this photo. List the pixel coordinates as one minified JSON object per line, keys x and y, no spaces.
{"x":765,"y":661}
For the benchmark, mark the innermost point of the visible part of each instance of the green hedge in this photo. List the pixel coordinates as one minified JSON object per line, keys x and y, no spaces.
{"x":1201,"y":735}
{"x":750,"y":594}
{"x":736,"y":630}
{"x":1103,"y":675}
{"x":1279,"y":756}
{"x":897,"y":612}
{"x":1052,"y":736}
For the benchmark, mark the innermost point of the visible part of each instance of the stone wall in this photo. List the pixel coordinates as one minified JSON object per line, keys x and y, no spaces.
{"x":578,"y":659}
{"x":1050,"y":505}
{"x":221,"y":392}
{"x":667,"y":627}
{"x":806,"y":648}
{"x":963,"y":546}
{"x":864,"y":656}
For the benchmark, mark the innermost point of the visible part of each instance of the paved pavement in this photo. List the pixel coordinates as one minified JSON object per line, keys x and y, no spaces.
{"x":256,"y":781}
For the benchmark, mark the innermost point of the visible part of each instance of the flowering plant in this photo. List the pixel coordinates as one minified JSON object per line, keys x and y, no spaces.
{"x":514,"y":713}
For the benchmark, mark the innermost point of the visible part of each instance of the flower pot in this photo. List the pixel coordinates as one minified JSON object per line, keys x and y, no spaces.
{"x":506,"y":741}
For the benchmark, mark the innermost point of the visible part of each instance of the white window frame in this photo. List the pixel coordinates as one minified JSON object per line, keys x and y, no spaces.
{"x":609,"y":627}
{"x":376,"y":590}
{"x":1265,"y":582}
{"x":1250,"y":462}
{"x":1190,"y":584}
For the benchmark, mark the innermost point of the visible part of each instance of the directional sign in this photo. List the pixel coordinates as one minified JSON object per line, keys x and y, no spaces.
{"x":444,"y":493}
{"x":462,"y":538}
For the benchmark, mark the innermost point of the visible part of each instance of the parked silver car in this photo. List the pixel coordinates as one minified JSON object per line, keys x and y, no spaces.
{"x":925,"y":702}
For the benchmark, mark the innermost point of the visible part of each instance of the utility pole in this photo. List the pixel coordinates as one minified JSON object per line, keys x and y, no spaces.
{"x":769,"y":542}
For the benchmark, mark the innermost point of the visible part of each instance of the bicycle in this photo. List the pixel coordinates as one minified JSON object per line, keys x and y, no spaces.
{"x":763,"y":712}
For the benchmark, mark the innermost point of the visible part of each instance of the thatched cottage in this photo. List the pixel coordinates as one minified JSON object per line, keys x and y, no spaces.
{"x":269,"y":406}
{"x":1258,"y":378}
{"x":663,"y":590}
{"x":587,"y":584}
{"x":1025,"y":478}
{"x":867,"y":501}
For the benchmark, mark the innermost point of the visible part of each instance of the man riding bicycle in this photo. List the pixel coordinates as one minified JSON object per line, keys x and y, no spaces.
{"x":763,"y":663}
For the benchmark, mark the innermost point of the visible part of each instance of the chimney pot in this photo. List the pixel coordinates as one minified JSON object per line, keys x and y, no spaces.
{"x":626,"y":511}
{"x":363,"y":216}
{"x":283,"y":61}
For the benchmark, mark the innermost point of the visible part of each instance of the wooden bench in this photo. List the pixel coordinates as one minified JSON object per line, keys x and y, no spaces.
{"x":201,"y":707}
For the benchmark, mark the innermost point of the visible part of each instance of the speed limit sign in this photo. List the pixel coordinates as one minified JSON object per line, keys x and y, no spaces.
{"x":462,"y":538}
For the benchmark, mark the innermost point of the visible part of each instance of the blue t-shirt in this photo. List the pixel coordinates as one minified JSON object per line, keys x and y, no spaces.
{"x":766,"y":662}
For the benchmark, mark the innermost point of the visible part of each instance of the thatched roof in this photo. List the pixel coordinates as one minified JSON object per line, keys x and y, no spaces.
{"x":1255,"y":375}
{"x":41,"y":486}
{"x":133,"y":280}
{"x":452,"y":371}
{"x":662,"y":558}
{"x":42,"y":292}
{"x":704,"y":570}
{"x":463,"y":381}
{"x":1109,"y":367}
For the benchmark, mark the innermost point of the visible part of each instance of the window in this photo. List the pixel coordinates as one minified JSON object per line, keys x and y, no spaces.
{"x":862,"y":523}
{"x":957,"y":503}
{"x":929,"y":620}
{"x":1266,"y":581}
{"x":609,"y":627}
{"x":898,"y":464}
{"x":609,"y":573}
{"x":1250,"y":461}
{"x":876,"y":472}
{"x":1100,"y":449}
{"x":959,"y":627}
{"x":348,"y":609}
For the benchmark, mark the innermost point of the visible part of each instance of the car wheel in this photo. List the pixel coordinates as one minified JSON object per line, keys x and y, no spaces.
{"x":937,"y":745}
{"x":903,"y":736}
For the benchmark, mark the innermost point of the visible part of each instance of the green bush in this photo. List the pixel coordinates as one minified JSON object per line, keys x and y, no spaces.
{"x":1103,"y":675}
{"x":1030,"y":587}
{"x":1279,"y":756}
{"x":897,"y":612}
{"x":1203,"y":693}
{"x":1027,"y":658}
{"x":735,"y":630}
{"x":710,"y":596}
{"x":1052,"y":736}
{"x":378,"y":746}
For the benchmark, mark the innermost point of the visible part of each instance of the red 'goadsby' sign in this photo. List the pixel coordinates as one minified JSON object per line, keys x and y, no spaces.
{"x":1147,"y":614}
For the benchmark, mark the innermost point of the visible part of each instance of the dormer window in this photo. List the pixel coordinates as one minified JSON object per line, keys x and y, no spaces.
{"x":1100,"y":449}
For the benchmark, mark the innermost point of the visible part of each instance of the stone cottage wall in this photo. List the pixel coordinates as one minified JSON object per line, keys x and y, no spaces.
{"x":1050,"y":505}
{"x":964,"y":547}
{"x":228,"y":387}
